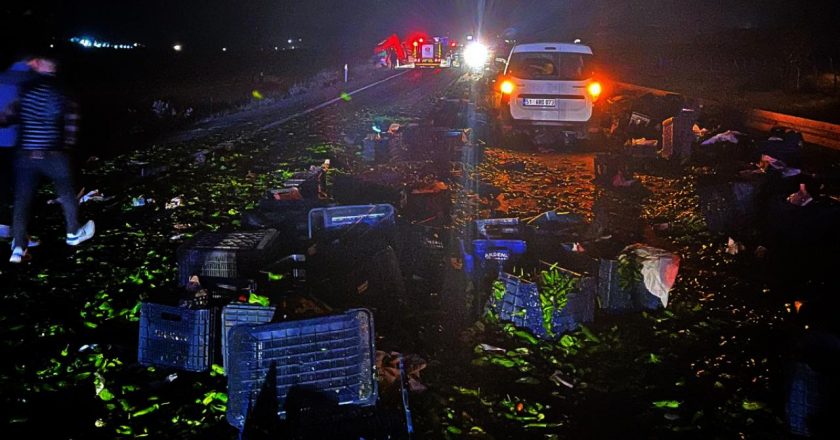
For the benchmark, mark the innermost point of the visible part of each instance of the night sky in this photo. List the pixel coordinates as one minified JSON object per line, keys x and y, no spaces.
{"x":346,"y":24}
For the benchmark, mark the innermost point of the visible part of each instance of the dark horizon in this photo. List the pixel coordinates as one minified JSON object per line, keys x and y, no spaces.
{"x":225,"y":23}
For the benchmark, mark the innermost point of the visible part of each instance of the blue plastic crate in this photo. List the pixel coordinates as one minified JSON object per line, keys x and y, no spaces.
{"x":520,"y":305}
{"x":645,"y":300}
{"x":226,"y":255}
{"x":469,"y":264}
{"x":613,"y":298}
{"x":492,"y":255}
{"x":333,"y":355}
{"x":805,"y":399}
{"x":340,"y":217}
{"x":176,"y":337}
{"x":240,"y":314}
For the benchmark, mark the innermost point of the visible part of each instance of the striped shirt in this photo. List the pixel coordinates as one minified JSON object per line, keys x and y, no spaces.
{"x":42,"y":116}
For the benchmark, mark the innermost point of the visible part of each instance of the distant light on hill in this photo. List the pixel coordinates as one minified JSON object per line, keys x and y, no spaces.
{"x":90,"y":42}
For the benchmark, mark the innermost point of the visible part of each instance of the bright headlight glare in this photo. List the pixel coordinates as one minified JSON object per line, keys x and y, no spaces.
{"x":475,"y":55}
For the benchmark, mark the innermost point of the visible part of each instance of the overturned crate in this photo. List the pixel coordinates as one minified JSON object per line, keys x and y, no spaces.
{"x":730,"y":206}
{"x":242,"y":314}
{"x":616,"y":214}
{"x":284,"y":210}
{"x":429,"y":203}
{"x":422,"y":142}
{"x":422,"y":249}
{"x":226,"y":257}
{"x":176,"y":337}
{"x":615,"y":295}
{"x":521,"y":303}
{"x":343,"y":217}
{"x":331,"y":359}
{"x":678,"y":137}
{"x":629,"y":281}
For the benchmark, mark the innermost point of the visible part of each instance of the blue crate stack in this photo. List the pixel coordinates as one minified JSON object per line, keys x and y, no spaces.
{"x":226,"y":256}
{"x":499,"y":244}
{"x":492,"y":255}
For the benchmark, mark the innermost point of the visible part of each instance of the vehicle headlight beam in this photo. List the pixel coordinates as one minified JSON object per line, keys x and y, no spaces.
{"x":476,"y":55}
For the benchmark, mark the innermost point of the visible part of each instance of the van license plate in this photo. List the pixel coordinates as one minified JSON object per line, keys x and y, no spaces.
{"x":539,"y":102}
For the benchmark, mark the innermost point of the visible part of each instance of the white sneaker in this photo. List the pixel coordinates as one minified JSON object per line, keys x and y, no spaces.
{"x":18,"y":253}
{"x":31,"y":243}
{"x":84,"y":233}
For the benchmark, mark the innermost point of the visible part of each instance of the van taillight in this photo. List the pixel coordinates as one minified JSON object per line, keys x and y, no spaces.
{"x":506,"y":87}
{"x":594,"y":89}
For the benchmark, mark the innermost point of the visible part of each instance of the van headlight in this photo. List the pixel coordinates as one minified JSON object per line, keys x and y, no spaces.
{"x":475,"y":55}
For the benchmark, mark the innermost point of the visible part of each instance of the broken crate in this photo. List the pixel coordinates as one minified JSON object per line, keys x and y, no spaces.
{"x":519,"y":302}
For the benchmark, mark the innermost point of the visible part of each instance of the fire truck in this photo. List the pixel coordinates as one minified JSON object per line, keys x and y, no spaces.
{"x":432,"y":52}
{"x":419,"y":50}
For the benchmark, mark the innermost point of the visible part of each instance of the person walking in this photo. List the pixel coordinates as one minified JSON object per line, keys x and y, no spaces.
{"x":10,"y":84}
{"x":47,"y":127}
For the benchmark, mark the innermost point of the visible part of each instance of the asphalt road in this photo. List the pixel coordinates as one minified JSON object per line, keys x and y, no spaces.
{"x":709,"y":366}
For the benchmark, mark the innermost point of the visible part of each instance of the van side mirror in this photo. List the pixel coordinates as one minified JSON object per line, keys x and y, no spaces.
{"x":502,"y":61}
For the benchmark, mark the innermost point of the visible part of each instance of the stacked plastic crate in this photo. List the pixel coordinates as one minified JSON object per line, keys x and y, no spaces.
{"x":226,"y":257}
{"x":500,"y":243}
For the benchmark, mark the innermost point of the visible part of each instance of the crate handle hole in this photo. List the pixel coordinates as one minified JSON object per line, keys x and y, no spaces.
{"x":170,"y":316}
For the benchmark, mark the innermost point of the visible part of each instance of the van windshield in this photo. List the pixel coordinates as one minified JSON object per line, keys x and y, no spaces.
{"x":562,"y":66}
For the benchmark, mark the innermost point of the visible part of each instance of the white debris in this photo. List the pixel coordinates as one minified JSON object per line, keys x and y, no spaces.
{"x":659,"y":269}
{"x":800,"y":198}
{"x":558,"y":380}
{"x":174,"y":203}
{"x":93,"y":196}
{"x":778,"y":165}
{"x":730,"y":136}
{"x":487,"y":348}
{"x":733,"y":247}
{"x":642,"y":142}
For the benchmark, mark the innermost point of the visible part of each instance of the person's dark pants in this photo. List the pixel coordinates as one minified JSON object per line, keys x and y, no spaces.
{"x":7,"y":157}
{"x":29,"y":167}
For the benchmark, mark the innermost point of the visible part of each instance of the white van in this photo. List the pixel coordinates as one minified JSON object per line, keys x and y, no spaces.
{"x":547,"y":87}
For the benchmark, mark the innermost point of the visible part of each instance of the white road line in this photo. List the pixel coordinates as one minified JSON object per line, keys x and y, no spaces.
{"x":327,"y":103}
